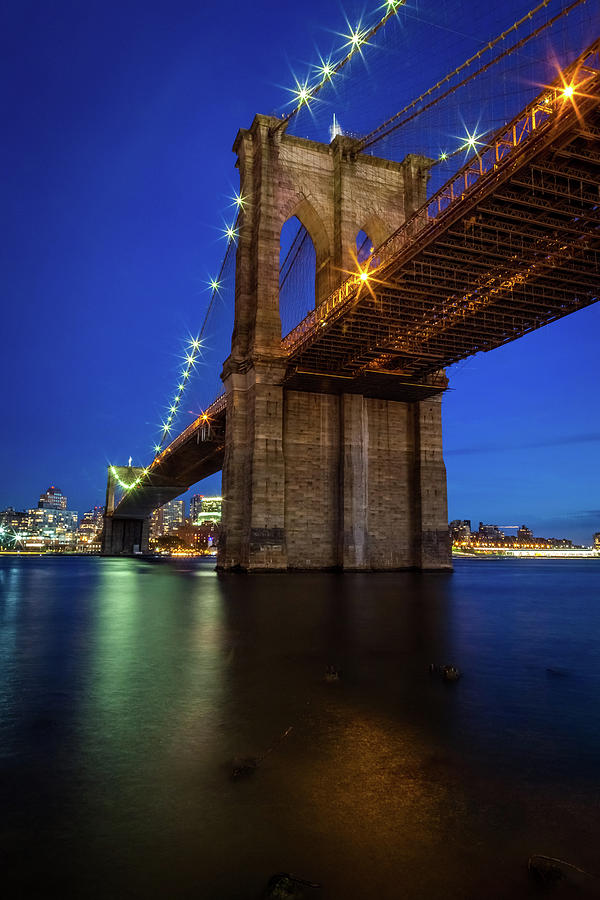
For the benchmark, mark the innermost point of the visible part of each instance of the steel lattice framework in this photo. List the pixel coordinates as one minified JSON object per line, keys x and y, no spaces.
{"x":511,"y":243}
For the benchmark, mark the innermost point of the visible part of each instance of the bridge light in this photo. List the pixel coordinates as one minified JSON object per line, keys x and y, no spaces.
{"x":568,"y":91}
{"x":472,"y":141}
{"x":173,"y":409}
{"x":215,"y":284}
{"x":302,"y":93}
{"x":325,"y":70}
{"x":230,"y":233}
{"x":238,"y":200}
{"x":157,"y":448}
{"x":443,"y":156}
{"x":364,"y":276}
{"x":195,"y":343}
{"x":190,"y":359}
{"x":355,"y":38}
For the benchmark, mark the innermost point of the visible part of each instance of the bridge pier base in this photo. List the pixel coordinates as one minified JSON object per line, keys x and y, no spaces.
{"x":326,"y":481}
{"x":125,"y":537}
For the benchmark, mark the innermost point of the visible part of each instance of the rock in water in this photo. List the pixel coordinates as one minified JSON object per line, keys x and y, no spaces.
{"x":244,"y":767}
{"x":284,"y":886}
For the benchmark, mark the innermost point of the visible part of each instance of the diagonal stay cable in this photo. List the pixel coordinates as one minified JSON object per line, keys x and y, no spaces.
{"x":392,"y":124}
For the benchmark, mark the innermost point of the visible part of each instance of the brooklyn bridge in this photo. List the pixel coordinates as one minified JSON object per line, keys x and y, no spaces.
{"x":330,"y":424}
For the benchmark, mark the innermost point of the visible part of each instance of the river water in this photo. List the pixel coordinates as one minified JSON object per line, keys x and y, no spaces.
{"x":128,"y":687}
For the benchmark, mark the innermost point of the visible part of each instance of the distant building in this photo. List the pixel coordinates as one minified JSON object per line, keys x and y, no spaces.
{"x":460,"y":530}
{"x":167,"y":519}
{"x":52,"y":499}
{"x":490,"y":532}
{"x":597,"y":541}
{"x":209,"y":511}
{"x":90,"y":528}
{"x":52,"y":528}
{"x":195,"y":507}
{"x":524,"y":535}
{"x":14,"y":519}
{"x":13,"y":528}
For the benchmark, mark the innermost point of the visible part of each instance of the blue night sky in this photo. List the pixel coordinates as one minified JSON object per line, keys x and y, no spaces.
{"x":119,"y":121}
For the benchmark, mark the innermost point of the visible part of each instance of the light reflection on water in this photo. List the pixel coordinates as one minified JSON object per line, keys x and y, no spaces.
{"x":128,"y":687}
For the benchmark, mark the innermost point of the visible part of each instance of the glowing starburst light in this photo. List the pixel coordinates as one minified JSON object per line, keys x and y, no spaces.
{"x":215,"y":284}
{"x":364,"y":276}
{"x":568,"y":91}
{"x":443,"y":156}
{"x":472,"y":141}
{"x":230,"y":233}
{"x":356,"y":38}
{"x":238,"y":201}
{"x":302,"y":93}
{"x":195,"y":343}
{"x":325,"y":70}
{"x":157,"y":448}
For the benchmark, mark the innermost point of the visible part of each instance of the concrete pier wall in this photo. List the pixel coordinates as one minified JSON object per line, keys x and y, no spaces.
{"x":334,"y":482}
{"x":124,"y":537}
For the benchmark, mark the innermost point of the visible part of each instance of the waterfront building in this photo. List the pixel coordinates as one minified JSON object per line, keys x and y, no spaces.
{"x":167,"y":519}
{"x":52,"y":528}
{"x":524,"y":535}
{"x":209,"y":511}
{"x":460,"y":530}
{"x":195,"y":507}
{"x":490,"y":532}
{"x":14,"y":519}
{"x":90,"y":529}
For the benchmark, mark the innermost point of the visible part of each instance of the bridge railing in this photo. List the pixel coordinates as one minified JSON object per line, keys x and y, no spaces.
{"x":486,"y":161}
{"x":203,"y":420}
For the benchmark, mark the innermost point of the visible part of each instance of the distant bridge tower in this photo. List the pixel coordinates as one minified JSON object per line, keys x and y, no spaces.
{"x":321,"y":476}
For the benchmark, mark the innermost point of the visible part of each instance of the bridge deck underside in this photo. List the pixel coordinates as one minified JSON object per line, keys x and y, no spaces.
{"x":185,"y":464}
{"x":511,"y":257}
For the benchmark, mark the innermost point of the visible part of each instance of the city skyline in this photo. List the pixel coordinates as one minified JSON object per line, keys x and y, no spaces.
{"x":122,"y":161}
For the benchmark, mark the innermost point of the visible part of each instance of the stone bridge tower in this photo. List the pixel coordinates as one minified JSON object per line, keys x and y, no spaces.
{"x":319,"y":479}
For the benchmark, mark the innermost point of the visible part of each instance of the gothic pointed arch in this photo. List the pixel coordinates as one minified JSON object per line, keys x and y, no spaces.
{"x":376,"y":230}
{"x":302,"y":208}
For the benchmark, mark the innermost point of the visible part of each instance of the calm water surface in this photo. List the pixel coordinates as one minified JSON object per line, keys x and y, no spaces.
{"x":127,"y":688}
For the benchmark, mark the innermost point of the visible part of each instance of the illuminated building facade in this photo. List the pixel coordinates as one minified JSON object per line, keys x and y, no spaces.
{"x":195,"y":507}
{"x":167,"y":519}
{"x":13,"y":519}
{"x":491,"y":536}
{"x":53,"y":498}
{"x":460,"y":530}
{"x":208,"y":510}
{"x":524,"y":534}
{"x":51,"y":528}
{"x":90,"y":528}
